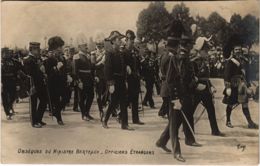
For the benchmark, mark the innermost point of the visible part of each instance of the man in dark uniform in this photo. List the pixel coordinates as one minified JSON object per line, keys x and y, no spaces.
{"x":133,"y":75}
{"x":68,"y":55}
{"x":57,"y":77}
{"x":83,"y":69}
{"x":33,"y":66}
{"x":177,"y":87}
{"x":235,"y":81}
{"x":148,"y":65}
{"x":9,"y":80}
{"x":115,"y":73}
{"x":99,"y":54}
{"x":202,"y":71}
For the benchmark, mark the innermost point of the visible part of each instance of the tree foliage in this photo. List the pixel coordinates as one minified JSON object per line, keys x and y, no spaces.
{"x":152,"y":21}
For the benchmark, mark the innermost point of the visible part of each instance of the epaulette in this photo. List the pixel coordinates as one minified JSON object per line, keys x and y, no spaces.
{"x":93,"y":52}
{"x":76,"y":56}
{"x":27,"y":57}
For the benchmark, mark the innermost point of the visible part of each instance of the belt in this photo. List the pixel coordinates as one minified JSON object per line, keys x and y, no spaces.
{"x":118,"y":74}
{"x":8,"y":75}
{"x":85,"y":71}
{"x":203,"y":79}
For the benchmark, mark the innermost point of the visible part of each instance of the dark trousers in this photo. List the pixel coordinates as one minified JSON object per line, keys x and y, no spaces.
{"x":149,"y":92}
{"x":207,"y":100}
{"x":118,"y":97}
{"x":133,"y":97}
{"x":100,"y":92}
{"x":171,"y":131}
{"x":76,"y":98}
{"x":38,"y":104}
{"x":86,"y":96}
{"x":8,"y":96}
{"x":56,"y":92}
{"x":165,"y":107}
{"x":187,"y":105}
{"x":67,"y":94}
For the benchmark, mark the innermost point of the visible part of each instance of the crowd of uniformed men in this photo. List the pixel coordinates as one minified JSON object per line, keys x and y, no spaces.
{"x":50,"y":77}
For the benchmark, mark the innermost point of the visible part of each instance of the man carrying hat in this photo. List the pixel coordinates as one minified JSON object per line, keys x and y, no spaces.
{"x":133,"y":75}
{"x":115,"y":74}
{"x":83,"y":69}
{"x":34,"y":67}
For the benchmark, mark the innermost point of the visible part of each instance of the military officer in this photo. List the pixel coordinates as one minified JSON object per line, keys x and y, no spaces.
{"x":9,"y":81}
{"x":201,"y":67}
{"x":34,"y":67}
{"x":133,"y":75}
{"x":236,"y":86}
{"x":148,"y":74}
{"x":99,"y":54}
{"x":83,"y":68}
{"x":115,"y":73}
{"x":68,"y":55}
{"x":57,"y":77}
{"x":178,"y":85}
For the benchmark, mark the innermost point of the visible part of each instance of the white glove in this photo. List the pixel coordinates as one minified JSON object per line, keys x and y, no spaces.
{"x":196,"y":79}
{"x":42,"y":68}
{"x":250,"y":91}
{"x":17,"y":88}
{"x":177,"y":104}
{"x":201,"y":87}
{"x":97,"y":79}
{"x":111,"y":89}
{"x":69,"y":79}
{"x":59,"y":65}
{"x":228,"y":91}
{"x":80,"y":85}
{"x":213,"y":90}
{"x":128,"y":70}
{"x":218,"y":66}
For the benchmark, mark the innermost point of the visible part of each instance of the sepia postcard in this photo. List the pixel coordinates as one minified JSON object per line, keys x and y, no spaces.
{"x":130,"y":82}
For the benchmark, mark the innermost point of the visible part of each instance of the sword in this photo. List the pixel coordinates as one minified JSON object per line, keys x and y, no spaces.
{"x":30,"y":101}
{"x":196,"y":121}
{"x":233,"y":107}
{"x":185,"y":118}
{"x":141,"y":101}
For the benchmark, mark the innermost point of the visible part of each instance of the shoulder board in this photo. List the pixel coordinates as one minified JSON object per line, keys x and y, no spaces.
{"x":27,"y":57}
{"x":76,"y":56}
{"x":93,"y":52}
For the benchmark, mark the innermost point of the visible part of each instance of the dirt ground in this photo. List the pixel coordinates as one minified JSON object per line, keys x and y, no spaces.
{"x":82,"y":142}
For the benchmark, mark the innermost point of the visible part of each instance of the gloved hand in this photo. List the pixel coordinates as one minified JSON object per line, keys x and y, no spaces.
{"x":228,"y":91}
{"x":80,"y":85}
{"x":69,"y":79}
{"x":17,"y":88}
{"x":128,"y":70}
{"x":59,"y":65}
{"x":42,"y":68}
{"x":201,"y":87}
{"x":177,"y":104}
{"x":97,"y":79}
{"x":196,"y":79}
{"x":213,"y":90}
{"x":111,"y":89}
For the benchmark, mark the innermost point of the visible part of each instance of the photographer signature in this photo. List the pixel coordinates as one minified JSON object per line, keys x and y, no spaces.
{"x":240,"y":146}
